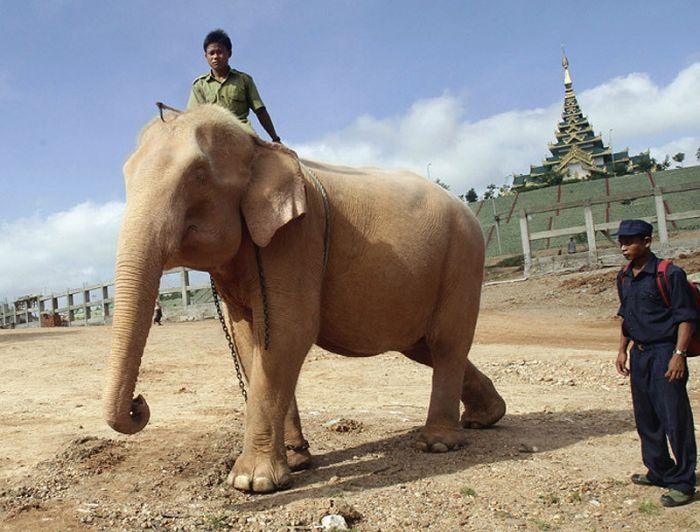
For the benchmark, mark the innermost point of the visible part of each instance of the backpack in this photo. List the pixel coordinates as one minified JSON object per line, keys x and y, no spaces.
{"x":662,"y":285}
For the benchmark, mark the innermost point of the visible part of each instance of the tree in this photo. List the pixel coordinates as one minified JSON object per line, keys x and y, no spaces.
{"x":679,"y":158}
{"x":664,"y":165}
{"x":442,"y":184}
{"x":490,"y":191}
{"x":553,"y":178}
{"x":620,"y":169}
{"x":697,"y":154}
{"x":472,"y":195}
{"x":504,"y":190}
{"x":645,"y":165}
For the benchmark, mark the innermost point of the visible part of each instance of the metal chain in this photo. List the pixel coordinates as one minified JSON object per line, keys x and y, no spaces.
{"x":231,"y":341}
{"x":263,"y":293}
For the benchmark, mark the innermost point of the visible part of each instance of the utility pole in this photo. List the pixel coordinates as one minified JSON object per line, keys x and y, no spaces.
{"x":496,"y":220}
{"x":612,"y":153}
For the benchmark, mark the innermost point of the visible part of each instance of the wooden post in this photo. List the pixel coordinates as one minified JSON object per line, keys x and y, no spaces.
{"x":71,"y":313}
{"x":105,"y":305}
{"x":661,"y":217}
{"x":87,"y":309}
{"x":525,"y":239}
{"x":185,"y":280}
{"x":590,"y":235}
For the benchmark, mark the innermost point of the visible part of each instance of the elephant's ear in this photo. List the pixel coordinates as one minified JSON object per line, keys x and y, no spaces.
{"x":276,"y":193}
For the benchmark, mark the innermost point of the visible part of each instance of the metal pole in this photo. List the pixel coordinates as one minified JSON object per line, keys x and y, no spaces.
{"x":525,"y":240}
{"x":496,"y":221}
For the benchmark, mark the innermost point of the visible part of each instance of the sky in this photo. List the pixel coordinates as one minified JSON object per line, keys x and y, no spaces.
{"x":468,"y":92}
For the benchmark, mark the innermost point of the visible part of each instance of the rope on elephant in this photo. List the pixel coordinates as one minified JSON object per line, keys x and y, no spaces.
{"x":326,"y":212}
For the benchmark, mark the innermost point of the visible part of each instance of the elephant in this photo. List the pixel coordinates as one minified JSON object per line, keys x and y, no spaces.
{"x":401,"y":270}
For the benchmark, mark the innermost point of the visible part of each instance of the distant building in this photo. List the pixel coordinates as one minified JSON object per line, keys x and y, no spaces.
{"x":578,"y":153}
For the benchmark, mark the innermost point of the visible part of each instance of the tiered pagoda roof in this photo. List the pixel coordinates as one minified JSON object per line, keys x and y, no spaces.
{"x":578,"y":152}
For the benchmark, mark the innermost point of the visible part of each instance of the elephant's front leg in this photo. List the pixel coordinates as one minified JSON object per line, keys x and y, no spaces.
{"x":262,"y":467}
{"x":298,"y":454}
{"x":296,"y":446}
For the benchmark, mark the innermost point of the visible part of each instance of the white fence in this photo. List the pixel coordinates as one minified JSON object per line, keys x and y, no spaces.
{"x":90,"y":305}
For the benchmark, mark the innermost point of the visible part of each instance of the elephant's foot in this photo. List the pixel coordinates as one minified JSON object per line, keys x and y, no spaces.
{"x":441,"y":439}
{"x":259,"y":474}
{"x":298,"y":456}
{"x":483,"y":416}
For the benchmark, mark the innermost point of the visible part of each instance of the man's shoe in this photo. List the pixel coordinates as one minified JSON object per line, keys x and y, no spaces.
{"x":675,"y":498}
{"x":641,"y":480}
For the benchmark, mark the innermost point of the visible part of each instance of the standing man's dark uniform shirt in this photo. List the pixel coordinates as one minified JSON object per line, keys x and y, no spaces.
{"x":661,"y":407}
{"x":647,"y":318}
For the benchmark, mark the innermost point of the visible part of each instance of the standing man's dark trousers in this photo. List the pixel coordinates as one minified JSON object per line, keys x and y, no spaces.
{"x":662,"y":410}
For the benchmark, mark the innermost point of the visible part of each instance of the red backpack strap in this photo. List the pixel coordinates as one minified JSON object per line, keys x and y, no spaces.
{"x":662,"y":280}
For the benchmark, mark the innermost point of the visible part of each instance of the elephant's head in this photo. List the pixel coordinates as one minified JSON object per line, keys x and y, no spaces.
{"x":191,"y":182}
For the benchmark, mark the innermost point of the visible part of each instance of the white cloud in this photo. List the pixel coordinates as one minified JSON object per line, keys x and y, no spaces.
{"x":467,"y":154}
{"x":687,"y":145}
{"x":68,"y":249}
{"x":59,"y":251}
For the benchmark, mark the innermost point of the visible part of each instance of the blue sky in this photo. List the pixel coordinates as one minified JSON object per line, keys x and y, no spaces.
{"x":472,"y":88}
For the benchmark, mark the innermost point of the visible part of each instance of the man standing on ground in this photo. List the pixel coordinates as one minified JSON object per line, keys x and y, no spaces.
{"x":227,"y":87}
{"x":658,"y":368}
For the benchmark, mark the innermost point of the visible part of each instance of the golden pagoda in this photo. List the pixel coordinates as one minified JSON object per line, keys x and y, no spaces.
{"x":578,"y":153}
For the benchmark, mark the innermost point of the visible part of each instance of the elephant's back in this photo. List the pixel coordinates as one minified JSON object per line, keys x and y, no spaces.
{"x":378,"y":201}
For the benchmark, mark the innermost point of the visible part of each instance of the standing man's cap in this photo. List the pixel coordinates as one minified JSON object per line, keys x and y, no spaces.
{"x":635,"y":228}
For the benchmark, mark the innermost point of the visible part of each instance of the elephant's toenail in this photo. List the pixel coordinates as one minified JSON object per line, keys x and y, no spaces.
{"x":439,"y":448}
{"x":422,"y":446}
{"x":263,"y":485}
{"x":242,"y":482}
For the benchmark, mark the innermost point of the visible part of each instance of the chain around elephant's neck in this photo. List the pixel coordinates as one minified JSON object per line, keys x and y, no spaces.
{"x":230,"y":338}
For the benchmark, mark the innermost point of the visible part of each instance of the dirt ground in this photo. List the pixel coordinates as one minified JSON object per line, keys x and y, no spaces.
{"x":559,"y":460}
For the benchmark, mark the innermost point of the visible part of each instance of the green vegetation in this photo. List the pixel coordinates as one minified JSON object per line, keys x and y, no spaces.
{"x":466,"y":491}
{"x":543,"y":525}
{"x":649,"y":508}
{"x":217,"y":522}
{"x":511,"y":262}
{"x":549,"y":498}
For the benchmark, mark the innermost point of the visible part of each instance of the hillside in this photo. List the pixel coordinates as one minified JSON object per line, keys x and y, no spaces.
{"x":507,"y":208}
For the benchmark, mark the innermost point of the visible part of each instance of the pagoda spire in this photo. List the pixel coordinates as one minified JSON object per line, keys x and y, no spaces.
{"x":578,"y":152}
{"x":565,"y":64}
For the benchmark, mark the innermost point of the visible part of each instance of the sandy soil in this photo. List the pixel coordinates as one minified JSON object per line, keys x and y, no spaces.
{"x":559,"y":460}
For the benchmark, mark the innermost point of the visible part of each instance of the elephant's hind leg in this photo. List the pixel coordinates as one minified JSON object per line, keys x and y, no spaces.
{"x":442,"y":431}
{"x":483,"y":405}
{"x":298,"y":454}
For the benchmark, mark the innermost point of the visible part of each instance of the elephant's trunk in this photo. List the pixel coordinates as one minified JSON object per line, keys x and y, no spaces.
{"x":139,"y":267}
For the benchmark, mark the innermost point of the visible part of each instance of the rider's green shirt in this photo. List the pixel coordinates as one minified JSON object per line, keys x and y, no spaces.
{"x":237,"y":93}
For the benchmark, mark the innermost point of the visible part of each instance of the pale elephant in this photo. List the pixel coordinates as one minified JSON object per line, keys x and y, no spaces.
{"x":404,"y":272}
